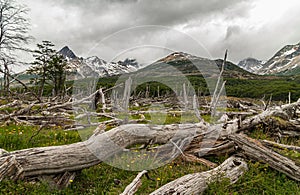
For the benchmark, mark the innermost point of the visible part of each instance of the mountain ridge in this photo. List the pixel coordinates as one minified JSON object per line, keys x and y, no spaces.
{"x":96,"y":67}
{"x":285,"y":61}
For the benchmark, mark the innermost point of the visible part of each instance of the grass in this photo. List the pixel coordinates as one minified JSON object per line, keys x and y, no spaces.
{"x":15,"y":137}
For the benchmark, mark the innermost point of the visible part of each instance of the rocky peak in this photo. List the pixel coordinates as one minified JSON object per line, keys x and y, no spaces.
{"x":68,"y":53}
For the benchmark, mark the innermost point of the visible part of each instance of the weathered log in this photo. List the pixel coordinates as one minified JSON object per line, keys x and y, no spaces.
{"x":10,"y":168}
{"x":195,"y":159}
{"x":2,"y":152}
{"x":70,"y":158}
{"x":254,"y":150}
{"x":15,"y":103}
{"x":132,"y":188}
{"x":196,"y":183}
{"x":65,"y":180}
{"x":59,"y":159}
{"x":291,"y":109}
{"x":271,"y":144}
{"x":59,"y":181}
{"x":284,"y":112}
{"x":18,"y":112}
{"x":73,"y":103}
{"x":218,"y":149}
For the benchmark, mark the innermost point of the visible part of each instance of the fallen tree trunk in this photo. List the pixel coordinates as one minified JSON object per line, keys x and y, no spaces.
{"x":69,"y":158}
{"x":285,"y":112}
{"x":133,"y":187}
{"x":271,"y":144}
{"x":10,"y":168}
{"x":10,"y":105}
{"x":197,"y":183}
{"x":254,"y":150}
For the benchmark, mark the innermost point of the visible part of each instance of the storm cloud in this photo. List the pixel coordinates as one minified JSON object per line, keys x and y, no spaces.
{"x":247,"y":28}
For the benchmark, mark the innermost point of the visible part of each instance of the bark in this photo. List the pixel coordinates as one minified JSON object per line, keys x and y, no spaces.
{"x":196,"y":183}
{"x":10,"y":168}
{"x":10,"y":105}
{"x":271,"y":144}
{"x":132,"y":188}
{"x":254,"y":150}
{"x":74,"y":157}
{"x":192,"y":158}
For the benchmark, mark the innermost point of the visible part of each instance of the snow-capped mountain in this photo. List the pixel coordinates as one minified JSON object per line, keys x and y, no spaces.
{"x":251,"y":65}
{"x":287,"y":59}
{"x":96,"y":67}
{"x":68,"y":53}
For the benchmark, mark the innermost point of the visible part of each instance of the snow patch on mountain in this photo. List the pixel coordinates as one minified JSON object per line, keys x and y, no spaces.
{"x":286,"y":59}
{"x":96,"y":67}
{"x":251,"y":65}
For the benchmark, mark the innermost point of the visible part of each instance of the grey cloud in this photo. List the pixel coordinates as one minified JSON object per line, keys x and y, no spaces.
{"x":99,"y":19}
{"x":215,"y":23}
{"x":231,"y":31}
{"x":159,"y":12}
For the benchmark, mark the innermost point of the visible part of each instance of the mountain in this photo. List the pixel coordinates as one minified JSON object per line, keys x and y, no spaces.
{"x":68,"y":53}
{"x":251,"y":65}
{"x":192,"y":65}
{"x":96,"y":67}
{"x":285,"y":62}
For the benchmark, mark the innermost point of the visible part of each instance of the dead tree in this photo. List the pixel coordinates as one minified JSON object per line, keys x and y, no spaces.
{"x":218,"y":90}
{"x":185,"y":97}
{"x":7,"y":74}
{"x":196,"y":183}
{"x":14,"y":27}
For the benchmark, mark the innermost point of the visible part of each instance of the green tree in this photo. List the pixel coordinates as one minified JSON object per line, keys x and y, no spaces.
{"x":43,"y":56}
{"x":50,"y":68}
{"x":57,"y":73}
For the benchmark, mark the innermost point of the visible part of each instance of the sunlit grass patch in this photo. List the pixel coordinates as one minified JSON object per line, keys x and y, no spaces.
{"x":16,"y":137}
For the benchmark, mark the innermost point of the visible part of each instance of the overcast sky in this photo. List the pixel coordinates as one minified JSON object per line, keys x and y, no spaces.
{"x":248,"y":28}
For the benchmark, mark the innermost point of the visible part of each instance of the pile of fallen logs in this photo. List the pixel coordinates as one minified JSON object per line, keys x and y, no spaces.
{"x":53,"y":113}
{"x":36,"y":113}
{"x":60,"y":163}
